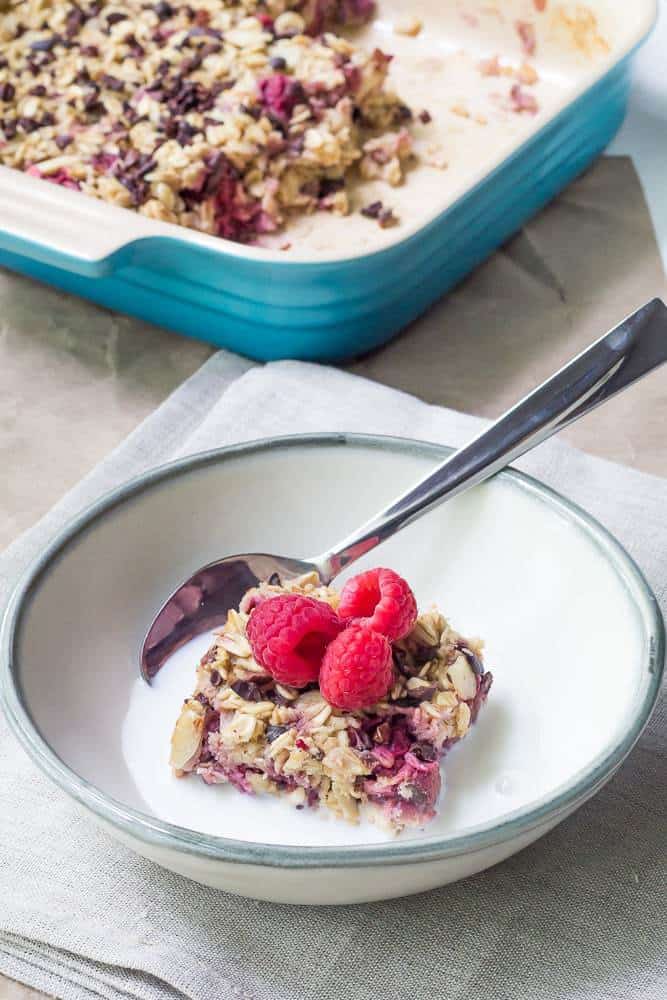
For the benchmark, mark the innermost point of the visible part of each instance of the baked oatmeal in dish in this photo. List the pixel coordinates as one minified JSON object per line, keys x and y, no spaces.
{"x":346,"y":700}
{"x":225,"y":116}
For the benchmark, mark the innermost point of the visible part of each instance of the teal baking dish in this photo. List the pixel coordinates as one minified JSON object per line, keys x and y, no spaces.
{"x":332,"y":305}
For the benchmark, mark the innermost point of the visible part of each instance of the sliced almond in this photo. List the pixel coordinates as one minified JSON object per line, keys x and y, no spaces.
{"x":463,"y":678}
{"x":462,"y":719}
{"x":187,"y":736}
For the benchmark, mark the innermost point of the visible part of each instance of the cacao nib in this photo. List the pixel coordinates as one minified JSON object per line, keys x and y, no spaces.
{"x":472,"y":659}
{"x":190,"y":65}
{"x":412,"y":701}
{"x":402,"y":114}
{"x":163,"y":10}
{"x":210,"y":49}
{"x":185,"y":133}
{"x":112,"y":82}
{"x":28,"y":124}
{"x":480,"y":697}
{"x":44,"y":44}
{"x":425,"y":653}
{"x":330,"y":186}
{"x":74,"y":21}
{"x":424,"y":751}
{"x":373,"y":210}
{"x":94,"y":107}
{"x":273,"y":732}
{"x":404,"y":665}
{"x":247,"y":690}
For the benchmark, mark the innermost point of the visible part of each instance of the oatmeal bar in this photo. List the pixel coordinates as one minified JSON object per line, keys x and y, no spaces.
{"x":221,"y":115}
{"x":242,"y":727}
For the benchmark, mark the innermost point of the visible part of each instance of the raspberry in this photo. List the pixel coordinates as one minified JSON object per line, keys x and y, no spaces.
{"x":380,"y":599}
{"x":357,"y":669}
{"x":280,"y":94}
{"x":288,"y":635}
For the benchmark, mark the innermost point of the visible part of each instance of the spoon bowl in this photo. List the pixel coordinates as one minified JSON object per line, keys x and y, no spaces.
{"x":202,"y":602}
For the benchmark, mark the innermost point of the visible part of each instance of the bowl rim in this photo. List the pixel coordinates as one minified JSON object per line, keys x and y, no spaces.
{"x":136,"y":825}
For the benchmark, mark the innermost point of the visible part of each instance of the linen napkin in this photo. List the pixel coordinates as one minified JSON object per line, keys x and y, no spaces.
{"x":577,"y":915}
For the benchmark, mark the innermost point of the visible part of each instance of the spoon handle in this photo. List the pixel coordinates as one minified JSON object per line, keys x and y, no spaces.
{"x":624,"y":355}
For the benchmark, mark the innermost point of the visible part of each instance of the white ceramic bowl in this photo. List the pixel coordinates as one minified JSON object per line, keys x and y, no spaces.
{"x":574,"y":638}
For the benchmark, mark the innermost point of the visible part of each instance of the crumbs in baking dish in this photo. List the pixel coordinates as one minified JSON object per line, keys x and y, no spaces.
{"x":225,"y":116}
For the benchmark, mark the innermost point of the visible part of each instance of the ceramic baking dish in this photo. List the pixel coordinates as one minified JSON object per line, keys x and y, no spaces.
{"x":344,"y":286}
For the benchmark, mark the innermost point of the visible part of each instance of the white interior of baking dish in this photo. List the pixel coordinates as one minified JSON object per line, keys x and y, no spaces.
{"x":474,"y":125}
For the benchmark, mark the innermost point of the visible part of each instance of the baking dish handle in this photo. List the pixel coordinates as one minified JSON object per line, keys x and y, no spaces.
{"x":59,"y":227}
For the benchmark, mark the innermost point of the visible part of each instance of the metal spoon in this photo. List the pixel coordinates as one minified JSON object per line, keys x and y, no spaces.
{"x":626,"y":354}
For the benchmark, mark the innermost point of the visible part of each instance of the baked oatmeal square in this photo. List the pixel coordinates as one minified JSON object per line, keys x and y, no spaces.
{"x":243,"y":727}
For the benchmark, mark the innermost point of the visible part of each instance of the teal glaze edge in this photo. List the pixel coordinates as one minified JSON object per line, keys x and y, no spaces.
{"x":135,"y":824}
{"x":328,"y":311}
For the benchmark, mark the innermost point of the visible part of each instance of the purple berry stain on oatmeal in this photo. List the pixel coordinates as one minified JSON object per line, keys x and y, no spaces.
{"x":280,"y":94}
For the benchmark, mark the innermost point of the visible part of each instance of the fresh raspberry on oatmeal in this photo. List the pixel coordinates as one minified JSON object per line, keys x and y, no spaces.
{"x":357,"y":669}
{"x":289,"y":635}
{"x":380,"y":599}
{"x":367,"y":733}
